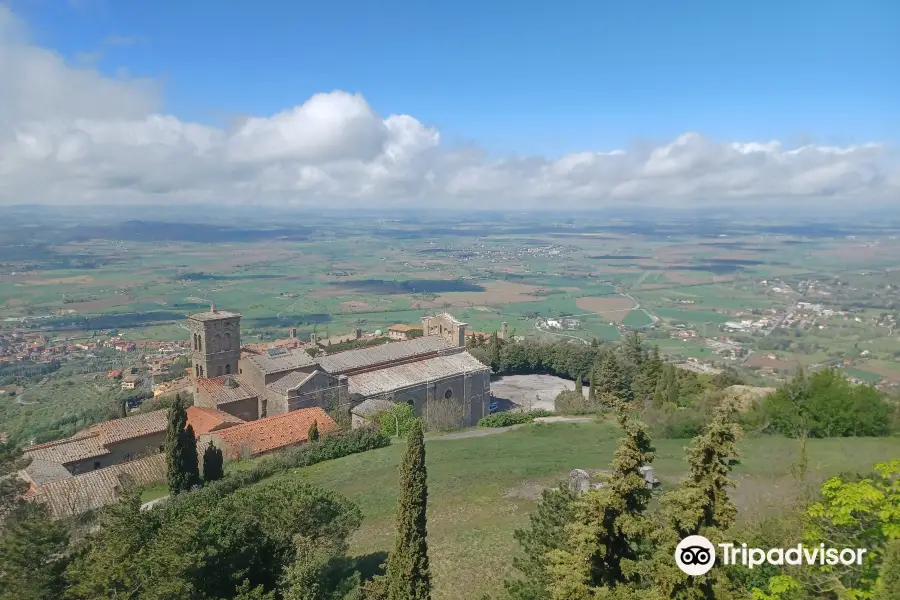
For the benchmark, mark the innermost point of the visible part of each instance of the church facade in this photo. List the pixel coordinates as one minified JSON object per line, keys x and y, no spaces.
{"x":433,"y":373}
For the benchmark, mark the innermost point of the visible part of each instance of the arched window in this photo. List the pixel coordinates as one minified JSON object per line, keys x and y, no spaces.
{"x":217,"y":343}
{"x":196,"y":370}
{"x":201,"y":372}
{"x":227,"y":341}
{"x":199,"y":342}
{"x":219,"y":370}
{"x":228,"y":369}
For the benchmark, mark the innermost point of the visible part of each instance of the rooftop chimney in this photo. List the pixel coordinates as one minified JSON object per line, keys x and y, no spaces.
{"x":212,"y":307}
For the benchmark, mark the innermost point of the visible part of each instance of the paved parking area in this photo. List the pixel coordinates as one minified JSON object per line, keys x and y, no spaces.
{"x":530,"y":392}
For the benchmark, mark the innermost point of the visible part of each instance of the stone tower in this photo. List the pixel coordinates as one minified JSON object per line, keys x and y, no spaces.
{"x":446,"y":326}
{"x":215,"y":342}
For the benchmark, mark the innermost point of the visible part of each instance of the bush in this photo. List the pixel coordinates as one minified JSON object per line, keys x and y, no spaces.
{"x":568,"y":402}
{"x":674,"y":423}
{"x":444,"y":414}
{"x":400,"y":415}
{"x":826,"y":405}
{"x":505,"y":419}
{"x":328,"y":447}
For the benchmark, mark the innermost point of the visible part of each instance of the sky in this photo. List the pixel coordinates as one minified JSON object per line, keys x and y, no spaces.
{"x":471,"y":104}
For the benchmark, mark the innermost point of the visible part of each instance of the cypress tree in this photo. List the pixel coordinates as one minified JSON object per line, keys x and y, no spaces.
{"x":313,"y":434}
{"x":495,"y":352}
{"x":578,"y":385}
{"x":408,"y":575}
{"x":592,"y":390}
{"x":213,"y":463}
{"x":182,"y":471}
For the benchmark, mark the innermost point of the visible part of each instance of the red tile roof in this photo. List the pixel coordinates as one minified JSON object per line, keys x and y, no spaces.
{"x":70,"y":450}
{"x":272,"y":433}
{"x":218,"y":390}
{"x":90,"y":491}
{"x":204,"y":420}
{"x":132,"y":427}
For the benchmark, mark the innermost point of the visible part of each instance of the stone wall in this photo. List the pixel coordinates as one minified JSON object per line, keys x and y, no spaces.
{"x":121,"y":452}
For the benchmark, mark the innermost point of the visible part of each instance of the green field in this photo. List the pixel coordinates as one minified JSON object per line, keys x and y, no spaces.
{"x":482,"y":488}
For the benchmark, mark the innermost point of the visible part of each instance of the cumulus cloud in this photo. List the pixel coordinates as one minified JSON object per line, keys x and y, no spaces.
{"x":70,"y":134}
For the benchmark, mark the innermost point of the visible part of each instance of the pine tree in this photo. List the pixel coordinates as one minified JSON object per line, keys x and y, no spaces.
{"x":313,"y":434}
{"x":609,"y":525}
{"x":33,"y":555}
{"x":547,"y":532}
{"x":213,"y":463}
{"x":612,"y":380}
{"x":701,"y":506}
{"x":408,"y":575}
{"x":595,"y":343}
{"x":182,"y":471}
{"x":888,"y":586}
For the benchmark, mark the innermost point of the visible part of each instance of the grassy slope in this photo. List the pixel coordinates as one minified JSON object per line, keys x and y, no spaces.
{"x":481,"y":489}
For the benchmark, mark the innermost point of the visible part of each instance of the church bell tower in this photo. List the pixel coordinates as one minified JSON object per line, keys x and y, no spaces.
{"x":215,"y":342}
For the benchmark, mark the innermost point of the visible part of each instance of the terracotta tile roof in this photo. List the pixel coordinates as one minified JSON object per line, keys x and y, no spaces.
{"x":220,"y":392}
{"x":69,"y":450}
{"x":392,"y":379}
{"x":384,"y":353}
{"x":272,"y":433}
{"x":290,"y":381}
{"x":403,"y":327}
{"x":280,"y":362}
{"x":204,"y":420}
{"x":131,"y":427}
{"x":81,"y":493}
{"x":40,"y":472}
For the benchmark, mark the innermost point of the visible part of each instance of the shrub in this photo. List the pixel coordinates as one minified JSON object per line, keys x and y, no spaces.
{"x":327,"y":448}
{"x":674,"y":423}
{"x":826,"y":405}
{"x":568,"y":402}
{"x":400,"y":415}
{"x":444,"y":414}
{"x":505,"y":419}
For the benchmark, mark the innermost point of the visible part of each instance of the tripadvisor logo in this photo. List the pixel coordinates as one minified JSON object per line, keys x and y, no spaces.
{"x":696,"y":555}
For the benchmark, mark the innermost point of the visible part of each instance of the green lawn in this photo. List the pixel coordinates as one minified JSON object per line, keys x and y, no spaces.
{"x":481,"y":489}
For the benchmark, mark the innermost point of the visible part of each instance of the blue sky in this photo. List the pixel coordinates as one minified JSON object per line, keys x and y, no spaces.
{"x":524,"y":77}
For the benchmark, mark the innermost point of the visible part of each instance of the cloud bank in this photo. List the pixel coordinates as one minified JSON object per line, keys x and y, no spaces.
{"x":71,"y":135}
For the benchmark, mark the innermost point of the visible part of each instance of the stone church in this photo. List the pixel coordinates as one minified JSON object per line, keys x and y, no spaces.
{"x":426,"y":372}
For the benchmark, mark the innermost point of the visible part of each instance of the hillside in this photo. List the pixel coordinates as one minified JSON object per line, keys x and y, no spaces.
{"x":482,"y":488}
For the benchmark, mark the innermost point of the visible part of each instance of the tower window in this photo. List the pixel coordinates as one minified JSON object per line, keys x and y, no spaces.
{"x":219,"y":370}
{"x":228,"y":369}
{"x":227,"y":341}
{"x":448,"y":394}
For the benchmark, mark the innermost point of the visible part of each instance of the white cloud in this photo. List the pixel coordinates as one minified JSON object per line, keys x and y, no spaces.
{"x":73,"y":135}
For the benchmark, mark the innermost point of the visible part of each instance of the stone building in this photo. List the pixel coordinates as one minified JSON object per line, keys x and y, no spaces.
{"x":267,"y":382}
{"x":100,"y":445}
